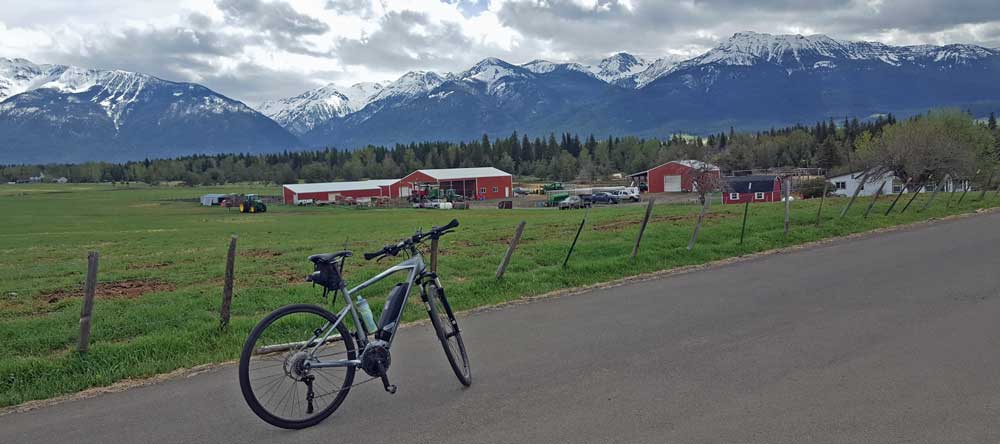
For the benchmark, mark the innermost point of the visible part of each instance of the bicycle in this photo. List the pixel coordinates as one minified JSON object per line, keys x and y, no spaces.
{"x":299,"y":362}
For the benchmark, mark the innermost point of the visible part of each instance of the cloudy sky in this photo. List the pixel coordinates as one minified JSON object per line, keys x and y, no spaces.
{"x":260,"y":49}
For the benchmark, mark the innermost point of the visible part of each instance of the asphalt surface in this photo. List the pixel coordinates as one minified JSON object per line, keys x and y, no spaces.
{"x":893,"y":338}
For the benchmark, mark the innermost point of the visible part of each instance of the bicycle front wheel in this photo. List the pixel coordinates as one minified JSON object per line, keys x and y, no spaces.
{"x":278,"y":373}
{"x":446,"y":327}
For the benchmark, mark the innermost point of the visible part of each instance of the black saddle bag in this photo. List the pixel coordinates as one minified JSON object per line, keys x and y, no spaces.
{"x":327,"y":274}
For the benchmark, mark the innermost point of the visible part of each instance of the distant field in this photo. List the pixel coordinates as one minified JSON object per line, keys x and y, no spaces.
{"x":162,"y":263}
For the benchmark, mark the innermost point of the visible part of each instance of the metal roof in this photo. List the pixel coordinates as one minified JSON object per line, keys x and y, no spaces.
{"x":750,"y":184}
{"x":463,"y":173}
{"x":332,"y":187}
{"x":695,"y":164}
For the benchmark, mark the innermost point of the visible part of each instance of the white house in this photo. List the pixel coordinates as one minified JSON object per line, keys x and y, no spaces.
{"x":845,"y":184}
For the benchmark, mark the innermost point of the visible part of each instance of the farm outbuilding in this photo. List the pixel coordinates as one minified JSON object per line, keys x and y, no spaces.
{"x":674,"y":176}
{"x":335,"y":191}
{"x":209,"y":200}
{"x":740,"y":189}
{"x":847,"y":184}
{"x":473,"y":183}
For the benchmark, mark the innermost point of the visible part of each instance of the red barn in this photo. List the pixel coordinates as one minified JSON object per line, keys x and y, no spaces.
{"x":473,"y":183}
{"x":674,"y":176}
{"x":334,"y":191}
{"x":742,"y":189}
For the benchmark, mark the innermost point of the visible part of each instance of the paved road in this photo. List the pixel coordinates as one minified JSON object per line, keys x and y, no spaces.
{"x":894,"y":338}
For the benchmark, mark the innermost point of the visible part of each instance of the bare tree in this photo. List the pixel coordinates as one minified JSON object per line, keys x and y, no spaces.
{"x":705,"y":179}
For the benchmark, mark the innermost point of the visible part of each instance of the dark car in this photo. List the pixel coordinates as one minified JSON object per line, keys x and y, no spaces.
{"x":603,"y":198}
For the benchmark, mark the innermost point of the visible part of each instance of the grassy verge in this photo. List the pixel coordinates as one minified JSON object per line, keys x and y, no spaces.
{"x":162,"y":262}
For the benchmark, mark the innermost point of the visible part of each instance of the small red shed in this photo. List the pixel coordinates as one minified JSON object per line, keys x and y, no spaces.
{"x":473,"y":183}
{"x":740,"y":189}
{"x":334,"y":191}
{"x":674,"y":176}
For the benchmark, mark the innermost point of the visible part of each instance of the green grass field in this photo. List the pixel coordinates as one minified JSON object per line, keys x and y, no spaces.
{"x":162,"y":266}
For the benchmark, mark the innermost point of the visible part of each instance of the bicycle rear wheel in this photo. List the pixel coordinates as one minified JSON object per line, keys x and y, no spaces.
{"x":447,"y":330}
{"x":276,"y":377}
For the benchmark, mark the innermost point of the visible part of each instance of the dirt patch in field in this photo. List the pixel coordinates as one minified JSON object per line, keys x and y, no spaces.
{"x":113,"y":290}
{"x":293,"y":277}
{"x":147,"y":266}
{"x":260,"y":253}
{"x":623,"y":224}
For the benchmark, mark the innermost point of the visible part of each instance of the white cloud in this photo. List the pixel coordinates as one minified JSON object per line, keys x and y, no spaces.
{"x":258,"y":49}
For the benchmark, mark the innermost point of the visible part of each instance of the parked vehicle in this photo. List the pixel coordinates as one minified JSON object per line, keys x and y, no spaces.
{"x":520,"y":191}
{"x":626,"y":194}
{"x":305,"y":202}
{"x":555,"y":198}
{"x":573,"y":202}
{"x":603,"y":197}
{"x":554,"y":186}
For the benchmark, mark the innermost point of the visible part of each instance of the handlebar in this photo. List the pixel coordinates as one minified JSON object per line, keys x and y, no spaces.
{"x":393,"y":250}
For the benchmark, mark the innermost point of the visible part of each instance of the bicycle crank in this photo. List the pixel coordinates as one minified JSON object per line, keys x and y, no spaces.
{"x":375,"y":361}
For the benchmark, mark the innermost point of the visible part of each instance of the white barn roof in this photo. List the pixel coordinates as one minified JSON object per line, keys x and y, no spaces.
{"x":463,"y":173}
{"x":694,"y":164}
{"x":329,"y":187}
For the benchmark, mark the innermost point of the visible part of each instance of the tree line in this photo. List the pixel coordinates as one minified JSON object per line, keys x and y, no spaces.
{"x":831,"y":145}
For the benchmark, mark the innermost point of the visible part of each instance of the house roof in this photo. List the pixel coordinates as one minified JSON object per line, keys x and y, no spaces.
{"x":695,"y":164}
{"x":463,"y":173}
{"x":750,"y":184}
{"x":332,"y":187}
{"x":858,"y":174}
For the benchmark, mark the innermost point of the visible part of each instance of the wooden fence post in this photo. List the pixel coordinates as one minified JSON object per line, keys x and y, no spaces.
{"x":874,"y":199}
{"x":642,"y":228}
{"x":935,"y":193}
{"x":227,"y":287}
{"x":697,"y":225}
{"x":788,"y":202}
{"x":89,"y":291}
{"x":746,"y":212}
{"x":510,"y":250}
{"x":575,"y":238}
{"x":901,"y":191}
{"x":434,"y":255}
{"x":987,"y":186}
{"x":864,"y":180}
{"x":916,"y":193}
{"x":819,"y":212}
{"x":969,"y":186}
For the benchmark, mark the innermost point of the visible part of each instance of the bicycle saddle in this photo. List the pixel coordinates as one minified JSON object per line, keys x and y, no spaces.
{"x":329,"y":257}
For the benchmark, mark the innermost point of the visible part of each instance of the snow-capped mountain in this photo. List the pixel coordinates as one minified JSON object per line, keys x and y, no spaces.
{"x":302,"y":113}
{"x":750,"y":80}
{"x":619,"y":67}
{"x":58,"y":113}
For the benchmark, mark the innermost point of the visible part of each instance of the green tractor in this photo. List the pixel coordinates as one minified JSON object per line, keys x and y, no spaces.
{"x":252,"y":204}
{"x":554,"y":186}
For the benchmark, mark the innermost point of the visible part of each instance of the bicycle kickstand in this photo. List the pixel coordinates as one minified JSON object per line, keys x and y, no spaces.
{"x":385,"y":380}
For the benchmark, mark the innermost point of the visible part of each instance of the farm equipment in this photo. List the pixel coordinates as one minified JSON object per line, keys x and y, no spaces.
{"x":555,"y":198}
{"x":554,"y":186}
{"x":251,"y":203}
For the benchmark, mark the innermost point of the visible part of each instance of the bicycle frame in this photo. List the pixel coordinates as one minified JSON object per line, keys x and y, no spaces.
{"x":415,"y":268}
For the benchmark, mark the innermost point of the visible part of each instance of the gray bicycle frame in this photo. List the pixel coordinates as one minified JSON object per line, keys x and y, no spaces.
{"x":415,"y":267}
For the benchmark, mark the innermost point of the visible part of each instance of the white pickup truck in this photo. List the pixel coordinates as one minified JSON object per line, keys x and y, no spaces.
{"x":631,"y":193}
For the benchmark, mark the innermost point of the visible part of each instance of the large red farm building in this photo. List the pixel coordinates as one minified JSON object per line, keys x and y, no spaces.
{"x":336,"y":191}
{"x":675,"y":176}
{"x":742,"y":189}
{"x":473,"y":183}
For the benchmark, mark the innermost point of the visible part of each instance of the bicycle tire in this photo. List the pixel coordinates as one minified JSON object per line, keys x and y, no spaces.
{"x":244,"y":368}
{"x":446,"y":327}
